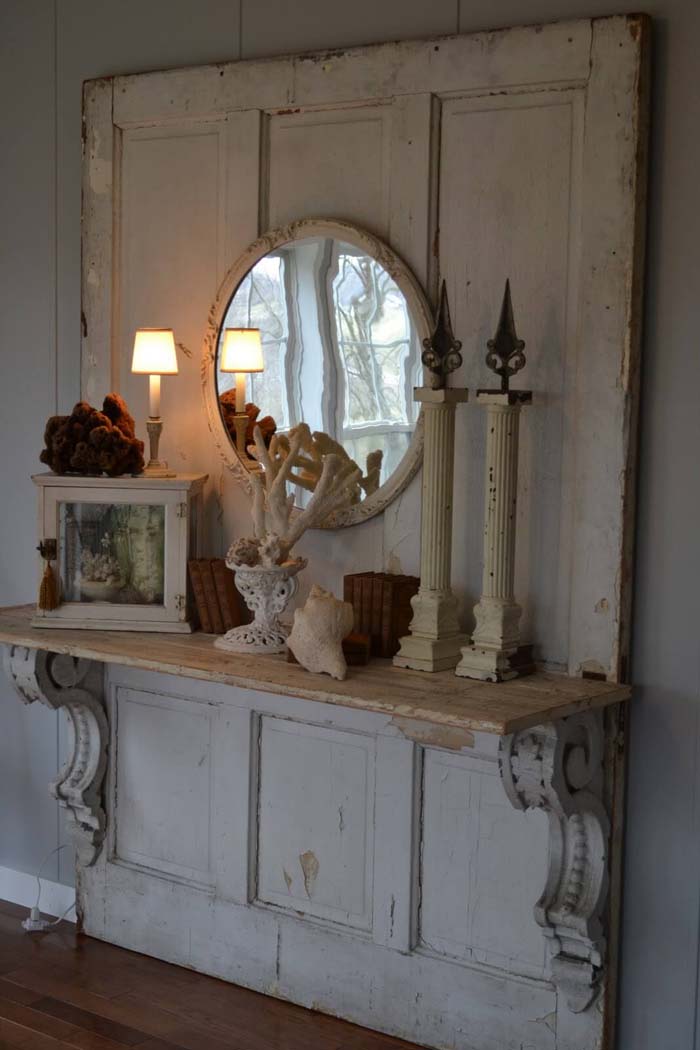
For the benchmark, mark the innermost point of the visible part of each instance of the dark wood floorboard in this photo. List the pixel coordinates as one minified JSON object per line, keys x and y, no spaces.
{"x":62,"y":990}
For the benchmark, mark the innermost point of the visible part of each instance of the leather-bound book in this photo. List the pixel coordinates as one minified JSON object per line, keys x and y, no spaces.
{"x":387,"y":607}
{"x":352,"y":592}
{"x":200,"y":600}
{"x":397,"y":612}
{"x":367,"y":584}
{"x":356,"y":649}
{"x":215,"y":617}
{"x":377,"y":613}
{"x":229,"y":598}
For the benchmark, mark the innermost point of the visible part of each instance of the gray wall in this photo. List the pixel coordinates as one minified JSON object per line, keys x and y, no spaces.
{"x":46,"y":51}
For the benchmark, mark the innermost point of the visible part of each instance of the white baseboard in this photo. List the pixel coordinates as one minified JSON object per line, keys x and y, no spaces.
{"x":20,"y":888}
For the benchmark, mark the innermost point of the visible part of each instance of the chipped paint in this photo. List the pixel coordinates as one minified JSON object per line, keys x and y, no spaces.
{"x":550,"y":1020}
{"x":310,"y":867}
{"x":99,"y":168}
{"x":393,"y":564}
{"x":592,"y":669}
{"x":449,"y":737}
{"x":288,"y":879}
{"x":602,"y":606}
{"x":457,"y":1007}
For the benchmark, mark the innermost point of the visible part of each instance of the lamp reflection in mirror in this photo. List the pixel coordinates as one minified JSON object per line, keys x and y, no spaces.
{"x":241,"y":352}
{"x":154,"y":356}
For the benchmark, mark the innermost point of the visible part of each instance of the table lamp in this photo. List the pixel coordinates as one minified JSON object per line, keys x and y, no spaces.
{"x":154,"y":356}
{"x":241,"y":352}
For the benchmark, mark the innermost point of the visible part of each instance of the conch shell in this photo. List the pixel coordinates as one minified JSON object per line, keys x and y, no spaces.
{"x":318,"y":631}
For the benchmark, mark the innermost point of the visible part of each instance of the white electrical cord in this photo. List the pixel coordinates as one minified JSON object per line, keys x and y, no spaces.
{"x":34,"y":923}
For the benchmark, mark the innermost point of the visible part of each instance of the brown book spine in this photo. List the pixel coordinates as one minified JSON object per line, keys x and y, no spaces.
{"x":217,"y":621}
{"x":352,"y":592}
{"x":387,"y":615}
{"x":229,"y":601}
{"x":366,"y":603}
{"x":377,"y":609}
{"x":200,"y":600}
{"x":348,"y":582}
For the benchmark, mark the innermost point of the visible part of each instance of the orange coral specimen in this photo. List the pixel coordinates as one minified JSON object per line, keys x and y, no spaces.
{"x":92,"y":442}
{"x":227,"y":403}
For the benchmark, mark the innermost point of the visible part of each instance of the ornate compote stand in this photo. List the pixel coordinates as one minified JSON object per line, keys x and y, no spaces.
{"x":495,"y":653}
{"x":266,"y":591}
{"x":435,"y":640}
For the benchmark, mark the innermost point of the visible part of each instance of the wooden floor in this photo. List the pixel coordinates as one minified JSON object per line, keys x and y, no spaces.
{"x":60,"y":989}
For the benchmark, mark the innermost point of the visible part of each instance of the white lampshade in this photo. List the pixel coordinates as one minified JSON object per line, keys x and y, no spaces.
{"x":154,"y":352}
{"x":241,"y":350}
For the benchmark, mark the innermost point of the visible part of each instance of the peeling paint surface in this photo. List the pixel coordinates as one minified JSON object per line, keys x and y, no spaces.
{"x":419,"y":847}
{"x":310,"y":867}
{"x":437,"y":736}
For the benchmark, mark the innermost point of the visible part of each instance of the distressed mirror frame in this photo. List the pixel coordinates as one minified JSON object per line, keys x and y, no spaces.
{"x":418,"y":307}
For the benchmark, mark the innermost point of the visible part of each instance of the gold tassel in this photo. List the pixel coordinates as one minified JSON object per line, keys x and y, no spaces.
{"x":48,"y":589}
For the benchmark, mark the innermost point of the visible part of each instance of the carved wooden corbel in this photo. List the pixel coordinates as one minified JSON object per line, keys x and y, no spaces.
{"x":558,"y":767}
{"x":60,"y":681}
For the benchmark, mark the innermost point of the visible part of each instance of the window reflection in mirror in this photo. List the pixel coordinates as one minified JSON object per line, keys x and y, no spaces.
{"x":341,"y":350}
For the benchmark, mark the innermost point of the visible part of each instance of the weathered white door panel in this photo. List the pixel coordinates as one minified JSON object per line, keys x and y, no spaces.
{"x":474,"y":901}
{"x":318,"y":160}
{"x":504,"y":154}
{"x":315,"y":821}
{"x":164,"y":817}
{"x":510,"y":154}
{"x":511,"y":169}
{"x":312,"y":888}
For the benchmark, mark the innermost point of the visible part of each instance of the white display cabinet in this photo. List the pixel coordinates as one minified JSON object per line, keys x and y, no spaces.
{"x":121,"y":547}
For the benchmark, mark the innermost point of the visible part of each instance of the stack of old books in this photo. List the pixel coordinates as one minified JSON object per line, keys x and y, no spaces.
{"x":218,"y":603}
{"x":382,"y":605}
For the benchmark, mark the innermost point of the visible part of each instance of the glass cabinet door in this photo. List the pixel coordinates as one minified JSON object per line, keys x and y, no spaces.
{"x":112,"y":553}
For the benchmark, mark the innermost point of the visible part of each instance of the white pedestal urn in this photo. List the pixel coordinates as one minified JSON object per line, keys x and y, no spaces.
{"x":265,"y":569}
{"x":495,"y":653}
{"x":435,"y":640}
{"x":266,"y":590}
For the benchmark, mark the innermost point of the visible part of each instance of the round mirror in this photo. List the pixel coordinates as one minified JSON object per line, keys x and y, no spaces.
{"x":320,"y":325}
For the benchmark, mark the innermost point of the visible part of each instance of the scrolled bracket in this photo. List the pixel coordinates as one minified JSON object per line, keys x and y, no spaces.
{"x":75,"y":685}
{"x":558,"y":767}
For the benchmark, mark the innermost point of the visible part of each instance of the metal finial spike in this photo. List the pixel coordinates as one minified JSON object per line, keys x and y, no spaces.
{"x":441,"y":350}
{"x":505,"y":354}
{"x":444,"y":319}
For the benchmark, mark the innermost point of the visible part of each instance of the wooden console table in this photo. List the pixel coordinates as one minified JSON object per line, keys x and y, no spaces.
{"x":440,"y":699}
{"x":545,"y":736}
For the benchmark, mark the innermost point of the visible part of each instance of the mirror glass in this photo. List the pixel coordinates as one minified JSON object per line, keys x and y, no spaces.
{"x":341,"y":353}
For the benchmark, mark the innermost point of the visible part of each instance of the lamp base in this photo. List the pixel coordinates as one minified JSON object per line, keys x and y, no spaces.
{"x":240,"y":422}
{"x":157,"y":468}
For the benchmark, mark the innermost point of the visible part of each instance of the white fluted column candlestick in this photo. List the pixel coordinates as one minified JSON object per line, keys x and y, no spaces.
{"x":435,"y":641}
{"x":495,"y":653}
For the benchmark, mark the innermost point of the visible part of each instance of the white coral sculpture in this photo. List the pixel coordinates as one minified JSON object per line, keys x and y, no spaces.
{"x":308,"y":461}
{"x":277,"y":526}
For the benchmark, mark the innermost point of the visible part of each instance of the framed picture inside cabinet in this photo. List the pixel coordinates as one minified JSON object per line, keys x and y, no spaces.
{"x":118,"y":549}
